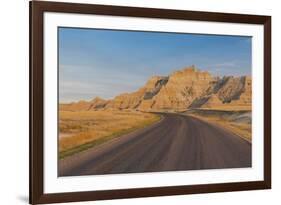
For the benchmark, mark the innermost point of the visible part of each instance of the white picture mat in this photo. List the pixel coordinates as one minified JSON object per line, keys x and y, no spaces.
{"x":55,"y":184}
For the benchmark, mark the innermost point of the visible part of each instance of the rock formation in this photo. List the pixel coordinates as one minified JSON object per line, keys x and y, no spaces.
{"x":134,"y":100}
{"x":212,"y":101}
{"x":181,"y":90}
{"x":245,"y":97}
{"x":95,"y":104}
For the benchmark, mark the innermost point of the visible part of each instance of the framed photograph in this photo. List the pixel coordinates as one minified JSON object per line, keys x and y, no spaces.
{"x":139,"y":102}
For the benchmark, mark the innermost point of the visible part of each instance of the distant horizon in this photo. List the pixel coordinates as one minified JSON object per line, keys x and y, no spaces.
{"x":92,"y":61}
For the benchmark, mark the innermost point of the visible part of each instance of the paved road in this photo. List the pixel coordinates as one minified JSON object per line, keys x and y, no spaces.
{"x":177,"y":142}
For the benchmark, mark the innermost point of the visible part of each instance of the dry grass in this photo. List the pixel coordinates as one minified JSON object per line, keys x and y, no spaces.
{"x":83,"y":129}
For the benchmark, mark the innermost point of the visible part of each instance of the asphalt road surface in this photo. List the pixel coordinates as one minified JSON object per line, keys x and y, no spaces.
{"x":177,"y":142}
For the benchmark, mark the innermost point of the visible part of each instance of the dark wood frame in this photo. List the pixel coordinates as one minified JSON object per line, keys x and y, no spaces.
{"x":37,"y":9}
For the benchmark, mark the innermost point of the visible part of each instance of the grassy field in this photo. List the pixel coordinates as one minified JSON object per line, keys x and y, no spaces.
{"x":237,"y":121}
{"x":84,"y":129}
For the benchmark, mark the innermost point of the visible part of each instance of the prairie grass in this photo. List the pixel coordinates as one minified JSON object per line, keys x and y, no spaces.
{"x":84,"y":129}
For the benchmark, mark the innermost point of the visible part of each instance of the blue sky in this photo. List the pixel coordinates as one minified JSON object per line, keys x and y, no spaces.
{"x":106,"y":63}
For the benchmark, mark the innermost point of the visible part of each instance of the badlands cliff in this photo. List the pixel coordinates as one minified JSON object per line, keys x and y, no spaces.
{"x":181,"y":90}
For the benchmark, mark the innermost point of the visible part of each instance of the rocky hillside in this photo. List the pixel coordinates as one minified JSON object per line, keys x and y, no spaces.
{"x":181,"y":90}
{"x":95,"y":104}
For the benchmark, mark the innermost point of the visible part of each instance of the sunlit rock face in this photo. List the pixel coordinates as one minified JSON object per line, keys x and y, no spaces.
{"x":134,"y":100}
{"x":181,"y":90}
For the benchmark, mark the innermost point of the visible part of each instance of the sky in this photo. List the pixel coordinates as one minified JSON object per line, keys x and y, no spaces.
{"x":105,"y":63}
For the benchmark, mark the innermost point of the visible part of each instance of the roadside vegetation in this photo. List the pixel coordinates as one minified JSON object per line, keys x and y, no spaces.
{"x":81,"y":130}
